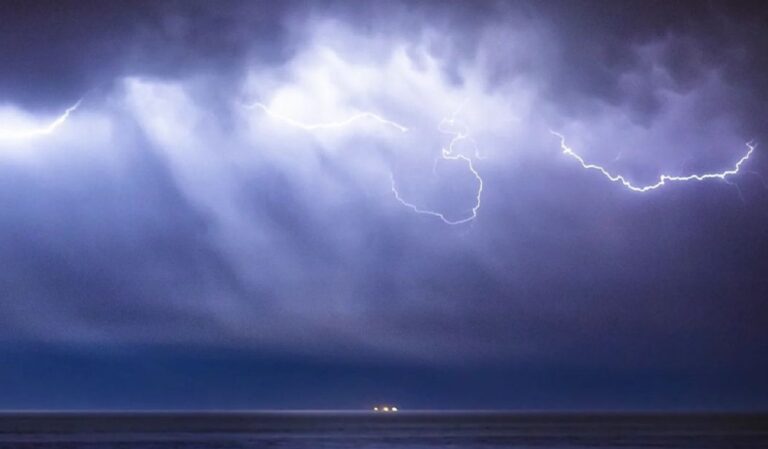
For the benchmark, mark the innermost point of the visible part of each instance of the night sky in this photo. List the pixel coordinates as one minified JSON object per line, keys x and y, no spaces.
{"x":268,"y":205}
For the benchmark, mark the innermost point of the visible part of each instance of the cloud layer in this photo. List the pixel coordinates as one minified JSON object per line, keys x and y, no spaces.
{"x":168,"y":210}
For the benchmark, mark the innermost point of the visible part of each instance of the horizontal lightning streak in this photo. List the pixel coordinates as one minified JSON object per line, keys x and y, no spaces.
{"x":326,"y":125}
{"x":26,"y":134}
{"x":663,"y":179}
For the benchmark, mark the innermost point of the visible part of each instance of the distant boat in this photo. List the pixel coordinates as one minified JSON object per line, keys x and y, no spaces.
{"x":385,"y":408}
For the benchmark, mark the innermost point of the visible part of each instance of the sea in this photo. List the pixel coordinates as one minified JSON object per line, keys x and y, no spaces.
{"x":368,"y":430}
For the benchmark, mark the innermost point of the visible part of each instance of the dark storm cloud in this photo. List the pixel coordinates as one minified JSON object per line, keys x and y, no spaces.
{"x":54,"y":52}
{"x":166,"y":212}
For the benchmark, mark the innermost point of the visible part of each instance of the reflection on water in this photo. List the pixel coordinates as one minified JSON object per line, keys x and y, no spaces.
{"x":320,"y":430}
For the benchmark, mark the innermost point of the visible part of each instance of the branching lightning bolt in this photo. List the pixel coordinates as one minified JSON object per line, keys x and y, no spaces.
{"x":449,"y":126}
{"x":326,"y":125}
{"x":663,"y":179}
{"x":25,"y":134}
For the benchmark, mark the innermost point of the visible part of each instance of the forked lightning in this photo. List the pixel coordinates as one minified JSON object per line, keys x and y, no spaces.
{"x":663,"y":179}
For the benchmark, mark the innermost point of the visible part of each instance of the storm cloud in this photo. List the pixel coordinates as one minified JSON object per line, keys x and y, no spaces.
{"x":167,"y":210}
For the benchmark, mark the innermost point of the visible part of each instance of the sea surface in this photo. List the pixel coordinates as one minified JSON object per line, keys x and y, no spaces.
{"x":330,"y":430}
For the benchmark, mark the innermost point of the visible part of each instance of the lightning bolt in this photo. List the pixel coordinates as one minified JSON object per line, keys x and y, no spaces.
{"x":663,"y":179}
{"x":327,"y":125}
{"x":458,"y":130}
{"x":26,"y":134}
{"x":460,"y":133}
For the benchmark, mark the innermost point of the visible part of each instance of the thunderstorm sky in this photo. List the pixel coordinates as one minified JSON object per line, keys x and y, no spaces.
{"x":253,"y":204}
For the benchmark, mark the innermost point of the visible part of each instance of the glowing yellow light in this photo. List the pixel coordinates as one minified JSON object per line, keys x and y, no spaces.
{"x":386,"y":409}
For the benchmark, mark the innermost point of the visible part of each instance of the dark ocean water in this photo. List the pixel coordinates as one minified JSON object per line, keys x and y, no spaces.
{"x":325,"y":430}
